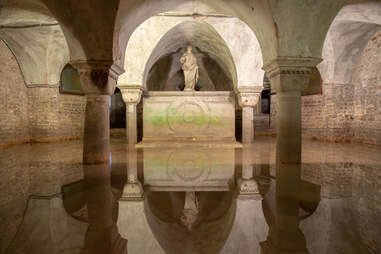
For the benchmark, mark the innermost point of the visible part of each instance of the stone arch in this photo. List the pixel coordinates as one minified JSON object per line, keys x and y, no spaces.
{"x":203,"y":37}
{"x":258,"y":18}
{"x":349,"y":33}
{"x":36,"y":40}
{"x":238,"y":37}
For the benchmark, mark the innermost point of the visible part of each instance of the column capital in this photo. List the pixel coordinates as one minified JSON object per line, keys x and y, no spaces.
{"x":248,"y":188}
{"x":291,"y":73}
{"x":131,"y":93}
{"x":248,"y":96}
{"x":98,"y":76}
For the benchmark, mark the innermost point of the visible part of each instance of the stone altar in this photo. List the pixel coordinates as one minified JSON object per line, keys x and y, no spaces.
{"x":206,"y":116}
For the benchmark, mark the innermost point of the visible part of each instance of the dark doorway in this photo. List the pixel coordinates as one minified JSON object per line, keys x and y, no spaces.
{"x":117,"y":110}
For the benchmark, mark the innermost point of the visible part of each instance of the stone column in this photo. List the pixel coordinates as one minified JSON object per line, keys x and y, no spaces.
{"x":289,"y":77}
{"x":248,"y":97}
{"x":98,"y":81}
{"x":131,"y":96}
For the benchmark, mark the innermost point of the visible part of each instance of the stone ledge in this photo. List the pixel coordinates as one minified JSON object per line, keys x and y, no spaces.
{"x":179,"y":144}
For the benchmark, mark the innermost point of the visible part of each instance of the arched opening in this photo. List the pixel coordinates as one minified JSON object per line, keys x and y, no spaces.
{"x":70,"y":82}
{"x":117,"y":111}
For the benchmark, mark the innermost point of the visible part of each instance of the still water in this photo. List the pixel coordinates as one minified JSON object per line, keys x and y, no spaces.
{"x":196,"y":200}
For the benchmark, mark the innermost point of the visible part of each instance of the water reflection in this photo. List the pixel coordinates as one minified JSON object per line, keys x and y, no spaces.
{"x":294,"y":201}
{"x":192,"y":200}
{"x":102,"y":234}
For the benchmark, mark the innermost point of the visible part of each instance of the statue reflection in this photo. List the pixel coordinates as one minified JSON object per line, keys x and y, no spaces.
{"x":102,"y":208}
{"x":192,"y":203}
{"x":187,"y":206}
{"x":294,"y":200}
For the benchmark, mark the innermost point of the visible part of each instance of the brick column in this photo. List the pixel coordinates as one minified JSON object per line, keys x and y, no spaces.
{"x":131,"y":96}
{"x":248,"y":97}
{"x":98,"y":81}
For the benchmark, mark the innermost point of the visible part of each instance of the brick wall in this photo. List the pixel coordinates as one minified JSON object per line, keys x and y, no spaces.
{"x":54,"y":116}
{"x":35,"y":114}
{"x":13,"y":100}
{"x":366,"y":123}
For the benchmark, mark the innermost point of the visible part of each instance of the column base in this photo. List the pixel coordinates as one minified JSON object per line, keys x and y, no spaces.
{"x":248,"y":188}
{"x":133,"y":192}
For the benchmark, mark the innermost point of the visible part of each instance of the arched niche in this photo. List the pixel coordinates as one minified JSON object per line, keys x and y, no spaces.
{"x":209,"y":48}
{"x":234,"y":33}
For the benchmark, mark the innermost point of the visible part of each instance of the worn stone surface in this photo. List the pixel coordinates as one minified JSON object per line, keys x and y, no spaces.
{"x":189,"y":116}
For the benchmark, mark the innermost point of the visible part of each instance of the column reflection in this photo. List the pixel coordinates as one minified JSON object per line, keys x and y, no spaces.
{"x":291,"y":193}
{"x":102,"y":234}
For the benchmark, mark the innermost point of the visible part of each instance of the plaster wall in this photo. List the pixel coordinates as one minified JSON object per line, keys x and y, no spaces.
{"x":36,"y":113}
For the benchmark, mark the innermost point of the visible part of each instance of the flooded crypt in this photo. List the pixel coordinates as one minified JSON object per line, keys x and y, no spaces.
{"x":190,"y":126}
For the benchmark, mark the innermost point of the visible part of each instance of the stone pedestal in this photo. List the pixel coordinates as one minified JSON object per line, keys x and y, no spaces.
{"x":248,"y":97}
{"x":131,"y":96}
{"x":98,"y":81}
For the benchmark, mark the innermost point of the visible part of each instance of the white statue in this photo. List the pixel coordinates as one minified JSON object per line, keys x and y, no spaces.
{"x":190,"y":69}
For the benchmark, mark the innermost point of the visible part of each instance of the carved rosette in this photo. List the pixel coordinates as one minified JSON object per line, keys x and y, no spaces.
{"x":291,"y":73}
{"x":131,"y":94}
{"x":248,"y":96}
{"x":98,"y":77}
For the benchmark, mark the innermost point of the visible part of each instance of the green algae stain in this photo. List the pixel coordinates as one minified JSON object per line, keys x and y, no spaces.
{"x":171,"y":117}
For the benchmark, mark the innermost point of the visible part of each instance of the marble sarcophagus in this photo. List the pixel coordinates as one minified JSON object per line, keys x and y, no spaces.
{"x":189,"y":116}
